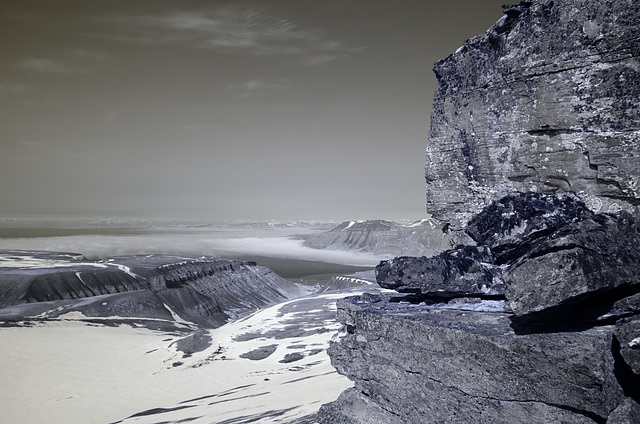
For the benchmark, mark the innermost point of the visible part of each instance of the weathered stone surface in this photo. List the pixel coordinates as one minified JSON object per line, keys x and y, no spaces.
{"x":627,"y":336}
{"x":465,"y":271}
{"x":512,"y":225}
{"x":622,"y":308}
{"x":354,"y":407}
{"x":627,"y":412}
{"x":546,"y":101}
{"x":430,"y":364}
{"x":596,"y":258}
{"x":568,"y":273}
{"x":548,"y":255}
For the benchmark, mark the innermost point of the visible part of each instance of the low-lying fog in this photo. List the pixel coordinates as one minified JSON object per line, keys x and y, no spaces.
{"x":266,"y":243}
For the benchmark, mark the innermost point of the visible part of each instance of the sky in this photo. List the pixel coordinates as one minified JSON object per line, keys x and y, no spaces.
{"x":218,"y":110}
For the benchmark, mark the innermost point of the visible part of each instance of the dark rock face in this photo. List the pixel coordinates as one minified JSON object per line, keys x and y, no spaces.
{"x":627,"y":337}
{"x":510,"y":226}
{"x":545,"y":101}
{"x":238,"y":286}
{"x":343,"y":282}
{"x":260,"y":353}
{"x":49,"y":276}
{"x":202,"y":291}
{"x":465,"y":271}
{"x":581,"y":261}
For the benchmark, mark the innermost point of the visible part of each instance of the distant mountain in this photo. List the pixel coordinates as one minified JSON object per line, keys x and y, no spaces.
{"x":383,"y":238}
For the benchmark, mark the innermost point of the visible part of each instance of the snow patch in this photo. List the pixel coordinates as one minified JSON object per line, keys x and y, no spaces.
{"x":177,"y":318}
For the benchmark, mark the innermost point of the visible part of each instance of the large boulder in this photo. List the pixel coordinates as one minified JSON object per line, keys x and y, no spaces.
{"x":556,"y":256}
{"x":512,"y":225}
{"x":554,"y":260}
{"x":585,"y":261}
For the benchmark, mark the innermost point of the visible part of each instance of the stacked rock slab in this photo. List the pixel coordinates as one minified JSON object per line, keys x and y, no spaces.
{"x":465,"y":348}
{"x":546,"y":101}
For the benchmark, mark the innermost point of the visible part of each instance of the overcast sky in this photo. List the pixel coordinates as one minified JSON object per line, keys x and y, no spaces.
{"x":283,"y":109}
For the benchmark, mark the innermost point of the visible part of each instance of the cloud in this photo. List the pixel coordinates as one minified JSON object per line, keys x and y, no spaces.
{"x":258,"y":87}
{"x":11,"y":87}
{"x":90,"y":55}
{"x":318,"y":59}
{"x":231,"y":29}
{"x":104,"y":246}
{"x":50,"y":66}
{"x":206,"y":126}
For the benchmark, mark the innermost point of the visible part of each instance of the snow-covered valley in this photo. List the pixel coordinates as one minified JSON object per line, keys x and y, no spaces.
{"x":135,"y":353}
{"x":269,"y":365}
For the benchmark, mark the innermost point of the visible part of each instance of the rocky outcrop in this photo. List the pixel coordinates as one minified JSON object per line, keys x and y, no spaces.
{"x":546,"y":101}
{"x":346,"y":282}
{"x":533,"y":241}
{"x":28,"y":277}
{"x":551,"y":337}
{"x":203,"y":291}
{"x":382,"y":238}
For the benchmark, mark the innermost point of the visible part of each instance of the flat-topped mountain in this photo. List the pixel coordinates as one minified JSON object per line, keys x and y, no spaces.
{"x":205,"y":291}
{"x":381,"y":237}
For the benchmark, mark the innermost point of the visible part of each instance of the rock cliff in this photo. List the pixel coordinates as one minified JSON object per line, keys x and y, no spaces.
{"x":546,"y":101}
{"x":533,"y":161}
